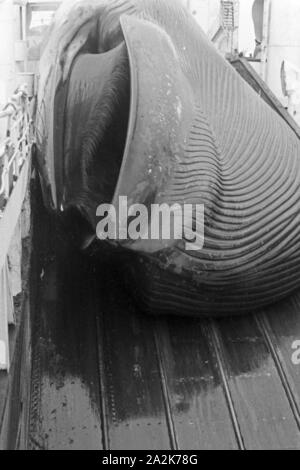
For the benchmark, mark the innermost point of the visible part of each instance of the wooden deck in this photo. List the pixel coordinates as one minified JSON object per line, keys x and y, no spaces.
{"x":106,"y":376}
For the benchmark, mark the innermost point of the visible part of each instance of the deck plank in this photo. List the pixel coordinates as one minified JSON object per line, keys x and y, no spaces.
{"x":262,"y":407}
{"x":134,"y":401}
{"x":198,"y":405}
{"x":65,"y":399}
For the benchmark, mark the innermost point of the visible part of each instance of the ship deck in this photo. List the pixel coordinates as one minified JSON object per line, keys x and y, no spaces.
{"x":107,"y":376}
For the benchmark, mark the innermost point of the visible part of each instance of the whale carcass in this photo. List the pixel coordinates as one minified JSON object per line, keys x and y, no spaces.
{"x":135,"y":101}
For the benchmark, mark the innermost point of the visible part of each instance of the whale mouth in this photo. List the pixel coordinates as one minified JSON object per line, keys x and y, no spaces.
{"x":95,"y":127}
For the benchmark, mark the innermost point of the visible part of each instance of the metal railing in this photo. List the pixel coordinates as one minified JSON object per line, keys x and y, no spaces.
{"x":15,"y":146}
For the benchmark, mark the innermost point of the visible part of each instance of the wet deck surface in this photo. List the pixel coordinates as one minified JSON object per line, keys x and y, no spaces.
{"x":107,"y":376}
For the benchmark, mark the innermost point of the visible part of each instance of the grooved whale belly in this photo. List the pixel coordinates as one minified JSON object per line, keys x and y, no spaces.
{"x":190,"y":131}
